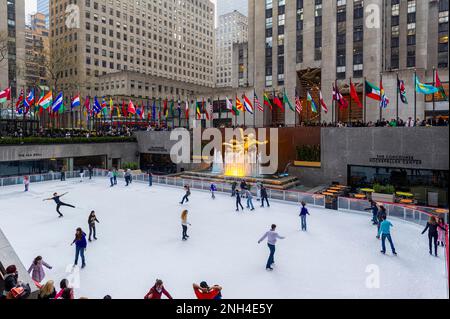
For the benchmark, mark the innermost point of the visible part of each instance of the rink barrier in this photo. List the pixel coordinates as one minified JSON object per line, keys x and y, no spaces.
{"x":37,"y":178}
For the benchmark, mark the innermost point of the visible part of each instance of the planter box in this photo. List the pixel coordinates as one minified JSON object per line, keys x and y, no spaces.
{"x":389,"y":198}
{"x":308,"y":164}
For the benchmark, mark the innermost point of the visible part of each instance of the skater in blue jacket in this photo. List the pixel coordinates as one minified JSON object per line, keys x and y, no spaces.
{"x":385,"y":232}
{"x":213,"y":189}
{"x":80,"y":246}
{"x":303,"y":213}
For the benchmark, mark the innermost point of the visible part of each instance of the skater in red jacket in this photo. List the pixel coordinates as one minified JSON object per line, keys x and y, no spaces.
{"x":203,"y":291}
{"x":157,"y":291}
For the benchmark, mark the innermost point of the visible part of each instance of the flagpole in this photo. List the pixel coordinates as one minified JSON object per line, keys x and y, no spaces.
{"x":350,"y":108}
{"x":398,"y":87}
{"x":415,"y":95}
{"x":365,"y":101}
{"x":434,"y":99}
{"x":295,"y":112}
{"x":254,"y":109}
{"x":381,"y":109}
{"x":336,"y":110}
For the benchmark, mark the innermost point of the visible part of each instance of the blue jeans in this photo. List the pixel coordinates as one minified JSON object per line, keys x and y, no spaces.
{"x":79,"y":251}
{"x":303,"y":219}
{"x":112,"y":181}
{"x":250,"y":203}
{"x":383,"y":242}
{"x":271,"y":259}
{"x":150,"y":181}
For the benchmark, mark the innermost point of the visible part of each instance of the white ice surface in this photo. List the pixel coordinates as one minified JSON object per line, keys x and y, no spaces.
{"x":139,"y":240}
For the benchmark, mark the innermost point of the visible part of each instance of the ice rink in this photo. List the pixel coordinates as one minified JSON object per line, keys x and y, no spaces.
{"x":139,"y":240}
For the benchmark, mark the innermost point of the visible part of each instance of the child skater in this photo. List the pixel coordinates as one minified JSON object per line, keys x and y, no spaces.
{"x":80,"y":246}
{"x":441,"y":232}
{"x":186,"y":195}
{"x":58,"y":202}
{"x":303,"y":212}
{"x":26,"y":183}
{"x":213,"y":189}
{"x":184,"y":224}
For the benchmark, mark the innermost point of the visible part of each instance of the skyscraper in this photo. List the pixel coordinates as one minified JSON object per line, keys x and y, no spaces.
{"x":227,"y":6}
{"x":43,"y":7}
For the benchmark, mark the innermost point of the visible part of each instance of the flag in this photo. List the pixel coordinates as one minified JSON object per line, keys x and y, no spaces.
{"x":204,"y":109}
{"x":286,"y":100}
{"x":425,"y":88}
{"x":277,"y":101}
{"x":119,"y":115}
{"x":97,"y":107}
{"x":322,"y":102}
{"x":165,"y":110}
{"x":402,"y":91}
{"x":248,"y":105}
{"x":131,"y":109}
{"x":124,"y":109}
{"x":111,"y":105}
{"x":87,"y":105}
{"x":58,"y":102}
{"x":46,"y":100}
{"x":104,"y":107}
{"x":210,"y":109}
{"x":354,"y":94}
{"x":339,"y":98}
{"x":298,"y":104}
{"x":199,"y":112}
{"x":257,"y":103}
{"x":231,"y":107}
{"x":75,"y":102}
{"x":384,"y":100}
{"x":313,"y":104}
{"x":19,"y":103}
{"x":439,"y":86}
{"x":186,"y":109}
{"x":267,"y":101}
{"x":171,"y":108}
{"x":29,"y":99}
{"x":154,"y":110}
{"x":239,"y":105}
{"x":5,"y":95}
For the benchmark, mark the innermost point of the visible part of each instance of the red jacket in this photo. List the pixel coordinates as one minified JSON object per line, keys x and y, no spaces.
{"x":212,"y":294}
{"x":155,"y":294}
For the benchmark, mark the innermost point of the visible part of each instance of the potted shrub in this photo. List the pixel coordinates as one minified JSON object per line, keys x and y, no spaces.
{"x":383,"y":193}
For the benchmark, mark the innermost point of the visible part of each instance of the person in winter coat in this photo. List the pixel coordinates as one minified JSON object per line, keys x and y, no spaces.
{"x":47,"y":291}
{"x":37,"y":269}
{"x":186,"y":195}
{"x":272,"y":237}
{"x":80,"y":246}
{"x":303,"y":213}
{"x":264,"y":196}
{"x":374,"y":208}
{"x":63,"y":285}
{"x":213,"y":189}
{"x":258,"y":191}
{"x":11,"y":279}
{"x":233,"y":188}
{"x":380,"y":215}
{"x":249,"y":200}
{"x":26,"y":183}
{"x":432,"y":227}
{"x":111,"y":177}
{"x":441,"y":232}
{"x":128,"y":177}
{"x":184,"y":224}
{"x":385,"y":232}
{"x":81,"y":174}
{"x":115,"y":174}
{"x":90,"y":170}
{"x":157,"y":291}
{"x":203,"y":291}
{"x":150,"y":178}
{"x":91,"y":222}
{"x":238,"y":200}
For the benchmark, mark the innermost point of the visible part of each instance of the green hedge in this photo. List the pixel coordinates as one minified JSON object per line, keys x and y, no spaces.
{"x":384,"y":189}
{"x":64,"y":140}
{"x":131,"y":165}
{"x":308,"y":153}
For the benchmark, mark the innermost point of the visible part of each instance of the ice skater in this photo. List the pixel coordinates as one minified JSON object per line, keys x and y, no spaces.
{"x":380,"y":215}
{"x":80,"y":246}
{"x":157,"y":291}
{"x":272,"y":237}
{"x":213,"y":189}
{"x":238,"y":200}
{"x":258,"y":191}
{"x":128,"y":177}
{"x":186,"y":195}
{"x":111,"y":177}
{"x":442,"y":232}
{"x":91,"y":222}
{"x":26,"y":183}
{"x":203,"y":291}
{"x":233,"y":188}
{"x":184,"y":224}
{"x":115,"y":174}
{"x":249,"y":195}
{"x":63,"y":174}
{"x":81,"y":174}
{"x":264,"y":196}
{"x":37,"y":269}
{"x":374,"y":208}
{"x":432,"y":227}
{"x":58,"y":202}
{"x":385,"y":232}
{"x":150,"y":178}
{"x":303,"y":212}
{"x":90,"y":170}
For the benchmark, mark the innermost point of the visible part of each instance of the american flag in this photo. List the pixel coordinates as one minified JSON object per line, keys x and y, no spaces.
{"x":258,"y":104}
{"x":298,"y":104}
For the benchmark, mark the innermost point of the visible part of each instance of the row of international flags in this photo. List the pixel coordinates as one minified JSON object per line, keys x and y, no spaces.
{"x":98,"y":107}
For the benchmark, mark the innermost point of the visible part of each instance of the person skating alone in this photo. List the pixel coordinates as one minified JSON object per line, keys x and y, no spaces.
{"x":272,"y":237}
{"x":26,"y":183}
{"x":203,"y":291}
{"x":58,"y":202}
{"x":233,"y":188}
{"x":264,"y":196}
{"x":150,"y":178}
{"x":81,"y":174}
{"x":186,"y":195}
{"x":37,"y":269}
{"x":213,"y":189}
{"x":111,"y":177}
{"x":80,"y":246}
{"x":184,"y":224}
{"x":90,"y":170}
{"x":157,"y":291}
{"x":380,"y":215}
{"x":238,"y":200}
{"x":303,"y":212}
{"x":115,"y":174}
{"x":249,"y":200}
{"x":258,"y":191}
{"x":385,"y":233}
{"x":128,"y":177}
{"x":374,"y":209}
{"x":91,"y":221}
{"x":63,"y":174}
{"x":432,"y":227}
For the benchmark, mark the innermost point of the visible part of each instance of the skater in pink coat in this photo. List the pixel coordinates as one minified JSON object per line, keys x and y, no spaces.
{"x":441,"y":232}
{"x":37,"y":269}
